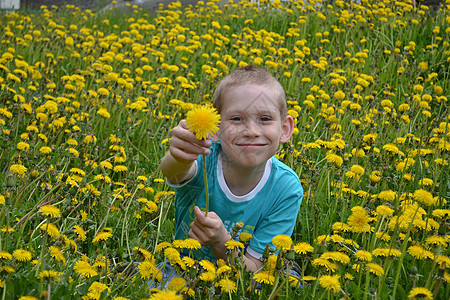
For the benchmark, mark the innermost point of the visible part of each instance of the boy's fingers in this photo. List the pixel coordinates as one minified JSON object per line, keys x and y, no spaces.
{"x":182,"y":137}
{"x":196,"y":233}
{"x":183,"y":156}
{"x":192,"y":235}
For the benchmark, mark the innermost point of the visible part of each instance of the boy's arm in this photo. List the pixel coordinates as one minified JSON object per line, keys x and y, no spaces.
{"x":177,"y":165}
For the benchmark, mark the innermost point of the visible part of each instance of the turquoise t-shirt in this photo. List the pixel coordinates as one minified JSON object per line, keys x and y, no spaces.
{"x":268,"y":210}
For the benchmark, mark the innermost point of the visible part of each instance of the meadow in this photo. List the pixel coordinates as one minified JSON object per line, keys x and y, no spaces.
{"x":87,"y":101}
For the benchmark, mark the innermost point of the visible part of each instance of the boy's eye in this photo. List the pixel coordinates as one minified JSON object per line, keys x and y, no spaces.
{"x":236,"y":118}
{"x":265,"y":119}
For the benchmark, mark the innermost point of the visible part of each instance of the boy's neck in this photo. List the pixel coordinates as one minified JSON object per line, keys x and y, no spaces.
{"x":241,"y":180}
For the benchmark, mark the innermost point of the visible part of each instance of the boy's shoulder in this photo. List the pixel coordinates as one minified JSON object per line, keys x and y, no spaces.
{"x":284,"y":171}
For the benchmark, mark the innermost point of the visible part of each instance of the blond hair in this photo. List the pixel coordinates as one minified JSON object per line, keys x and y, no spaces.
{"x":250,"y":75}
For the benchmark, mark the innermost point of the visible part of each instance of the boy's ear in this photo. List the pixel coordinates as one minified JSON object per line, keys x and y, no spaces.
{"x":287,"y":127}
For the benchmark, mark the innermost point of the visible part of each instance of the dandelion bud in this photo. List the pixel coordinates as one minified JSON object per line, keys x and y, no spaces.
{"x":266,"y":252}
{"x":10,"y":181}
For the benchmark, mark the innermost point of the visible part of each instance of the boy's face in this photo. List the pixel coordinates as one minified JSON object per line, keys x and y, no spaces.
{"x":251,"y":126}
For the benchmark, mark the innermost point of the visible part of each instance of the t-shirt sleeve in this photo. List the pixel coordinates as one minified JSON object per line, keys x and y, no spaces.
{"x":280,"y":219}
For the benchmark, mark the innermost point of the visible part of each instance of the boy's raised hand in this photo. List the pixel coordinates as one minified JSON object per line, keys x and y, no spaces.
{"x":184,"y":146}
{"x":178,"y":163}
{"x":209,"y":230}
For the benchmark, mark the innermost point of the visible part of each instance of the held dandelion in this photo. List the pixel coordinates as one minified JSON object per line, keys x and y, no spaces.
{"x":203,"y":121}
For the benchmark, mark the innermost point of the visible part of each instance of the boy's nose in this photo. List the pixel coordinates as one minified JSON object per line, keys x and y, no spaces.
{"x":252,"y":129}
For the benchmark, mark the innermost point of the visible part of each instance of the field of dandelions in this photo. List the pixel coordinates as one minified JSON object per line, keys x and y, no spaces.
{"x":87,"y":101}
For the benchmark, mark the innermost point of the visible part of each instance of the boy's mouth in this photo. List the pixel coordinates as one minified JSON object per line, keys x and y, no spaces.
{"x":251,"y":145}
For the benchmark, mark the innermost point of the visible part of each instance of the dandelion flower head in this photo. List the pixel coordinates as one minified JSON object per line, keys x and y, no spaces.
{"x":203,"y":121}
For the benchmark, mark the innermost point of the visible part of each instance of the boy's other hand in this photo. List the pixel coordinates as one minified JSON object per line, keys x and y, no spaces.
{"x":184,"y":146}
{"x":208,"y":230}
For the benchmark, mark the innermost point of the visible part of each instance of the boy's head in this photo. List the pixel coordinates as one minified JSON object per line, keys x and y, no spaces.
{"x":254,"y":119}
{"x":250,"y":75}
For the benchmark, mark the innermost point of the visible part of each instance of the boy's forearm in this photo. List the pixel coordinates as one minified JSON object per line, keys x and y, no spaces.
{"x":176,"y":171}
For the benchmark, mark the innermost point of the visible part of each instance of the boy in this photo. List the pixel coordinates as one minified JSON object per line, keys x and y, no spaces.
{"x":245,"y":181}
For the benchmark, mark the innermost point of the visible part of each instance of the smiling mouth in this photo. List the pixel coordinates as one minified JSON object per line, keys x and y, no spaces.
{"x":251,"y":145}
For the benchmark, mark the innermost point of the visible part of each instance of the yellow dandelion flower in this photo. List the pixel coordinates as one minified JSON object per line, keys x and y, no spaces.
{"x":23,"y":146}
{"x":420,"y":293}
{"x":303,"y":248}
{"x":391,"y":148}
{"x":207,"y":276}
{"x":387,"y":195}
{"x":272,"y":262}
{"x":146,"y":254}
{"x":336,"y":256}
{"x":22,"y":255}
{"x":436,"y":240}
{"x":50,"y":275}
{"x":442,"y":214}
{"x":187,"y":244}
{"x":18,"y":169}
{"x":223,"y":269}
{"x":162,"y":246}
{"x":56,"y":253}
{"x":28,"y":298}
{"x":309,"y":278}
{"x":234,"y":245}
{"x":443,"y":261}
{"x":282,"y":242}
{"x":383,"y":210}
{"x":359,"y":221}
{"x":166,"y":295}
{"x":148,"y":270}
{"x":45,"y":150}
{"x":386,"y":252}
{"x":418,"y":252}
{"x":226,"y":285}
{"x":189,"y":262}
{"x":4,"y":255}
{"x":207,"y":265}
{"x":51,"y":230}
{"x":104,"y":113}
{"x":96,"y":289}
{"x":172,"y":254}
{"x":50,"y":211}
{"x":328,"y":265}
{"x":357,"y":169}
{"x":334,"y":159}
{"x":176,"y":284}
{"x":363,"y":255}
{"x":264,"y":277}
{"x":244,"y":237}
{"x":203,"y":121}
{"x":7,"y":269}
{"x":424,"y":197}
{"x":375,"y":269}
{"x":330,"y":283}
{"x":102,"y":236}
{"x":80,"y":232}
{"x":349,"y":276}
{"x":84,"y":269}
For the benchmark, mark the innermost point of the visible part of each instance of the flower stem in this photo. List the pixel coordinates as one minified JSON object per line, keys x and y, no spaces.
{"x":206,"y":186}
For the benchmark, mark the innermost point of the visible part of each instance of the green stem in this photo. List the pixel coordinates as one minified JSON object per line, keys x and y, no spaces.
{"x":40,"y":264}
{"x":274,"y":290}
{"x":405,"y":243}
{"x":206,"y":186}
